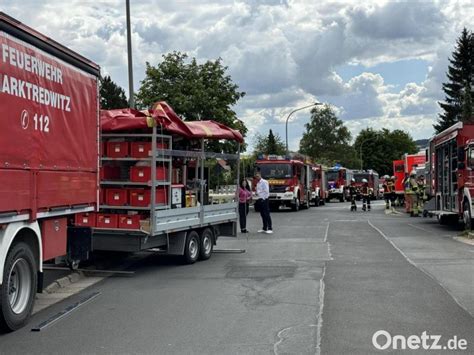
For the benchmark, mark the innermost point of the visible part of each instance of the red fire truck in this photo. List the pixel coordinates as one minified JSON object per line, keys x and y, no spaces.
{"x":289,"y":180}
{"x":372,"y":178}
{"x":338,"y":181}
{"x":48,"y":159}
{"x":451,"y":165}
{"x":319,"y":192}
{"x":403,"y":167}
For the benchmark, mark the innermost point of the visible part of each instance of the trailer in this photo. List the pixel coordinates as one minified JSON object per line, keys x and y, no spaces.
{"x":158,"y":189}
{"x":451,"y":161}
{"x":48,"y":160}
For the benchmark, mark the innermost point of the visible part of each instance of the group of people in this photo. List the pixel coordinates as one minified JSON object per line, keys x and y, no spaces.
{"x":262,"y":191}
{"x":365,"y":191}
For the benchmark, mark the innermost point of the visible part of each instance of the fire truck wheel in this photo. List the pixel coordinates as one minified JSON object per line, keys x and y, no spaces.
{"x":191,"y":248}
{"x":296,"y":205}
{"x":17,"y":293}
{"x":467,"y":218}
{"x":207,"y":244}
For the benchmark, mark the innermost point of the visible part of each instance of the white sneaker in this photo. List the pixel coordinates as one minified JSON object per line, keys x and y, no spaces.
{"x":261,"y":231}
{"x":269,"y":231}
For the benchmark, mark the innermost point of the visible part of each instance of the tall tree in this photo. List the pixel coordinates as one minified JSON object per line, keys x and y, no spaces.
{"x":380,"y":148}
{"x":460,"y":77}
{"x":327,"y":140}
{"x":271,"y":144}
{"x":112,"y":96}
{"x":195,"y":91}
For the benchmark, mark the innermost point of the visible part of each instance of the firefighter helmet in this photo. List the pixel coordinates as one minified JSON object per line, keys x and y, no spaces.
{"x":413,"y":173}
{"x":393,"y":178}
{"x":364,"y":181}
{"x":353,"y":180}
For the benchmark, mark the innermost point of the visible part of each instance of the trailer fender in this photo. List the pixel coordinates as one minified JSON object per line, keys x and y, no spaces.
{"x":176,"y":243}
{"x":8,"y":236}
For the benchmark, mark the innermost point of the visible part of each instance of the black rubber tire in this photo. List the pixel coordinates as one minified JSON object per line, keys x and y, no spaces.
{"x":205,"y":250}
{"x":190,"y":254}
{"x":9,"y":321}
{"x":468,"y":223}
{"x":296,"y":206}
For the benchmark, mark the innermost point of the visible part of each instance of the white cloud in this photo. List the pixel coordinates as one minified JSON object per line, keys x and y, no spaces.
{"x":282,"y":53}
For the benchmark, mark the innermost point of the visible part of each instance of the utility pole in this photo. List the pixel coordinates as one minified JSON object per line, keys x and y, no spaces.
{"x":130,"y":62}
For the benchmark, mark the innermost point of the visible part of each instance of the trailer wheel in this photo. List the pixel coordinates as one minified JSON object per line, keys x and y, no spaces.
{"x":17,"y":293}
{"x":191,"y":248}
{"x":207,"y":244}
{"x":467,"y":218}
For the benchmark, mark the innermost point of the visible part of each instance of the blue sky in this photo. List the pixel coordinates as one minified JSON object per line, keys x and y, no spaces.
{"x":378,"y":63}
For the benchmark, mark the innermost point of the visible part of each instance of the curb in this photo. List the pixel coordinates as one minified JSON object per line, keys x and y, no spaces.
{"x":63,"y":282}
{"x":464,"y":240}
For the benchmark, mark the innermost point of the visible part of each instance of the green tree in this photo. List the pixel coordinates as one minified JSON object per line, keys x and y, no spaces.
{"x":194,"y":91}
{"x":460,"y":76}
{"x":112,"y":96}
{"x":380,"y":148}
{"x":327,"y":140}
{"x":271,"y":144}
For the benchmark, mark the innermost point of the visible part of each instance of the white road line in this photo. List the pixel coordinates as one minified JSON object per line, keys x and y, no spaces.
{"x":320,"y":313}
{"x":420,"y":228}
{"x":421,"y":269}
{"x":326,"y":233}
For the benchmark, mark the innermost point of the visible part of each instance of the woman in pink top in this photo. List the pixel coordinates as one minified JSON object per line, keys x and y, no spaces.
{"x":245,"y":195}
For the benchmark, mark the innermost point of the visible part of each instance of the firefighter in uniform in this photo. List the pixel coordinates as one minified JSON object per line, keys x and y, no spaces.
{"x":366,"y":193}
{"x":407,"y":195}
{"x":413,"y":194}
{"x":386,"y":192}
{"x":391,"y":188}
{"x":421,"y":192}
{"x":353,"y":193}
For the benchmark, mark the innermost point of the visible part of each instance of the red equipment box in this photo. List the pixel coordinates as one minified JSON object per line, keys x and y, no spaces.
{"x":143,"y":149}
{"x":141,"y":197}
{"x":106,"y":220}
{"x":129,"y":221}
{"x":85,"y":219}
{"x":110,"y":173}
{"x":116,"y":197}
{"x":117,"y":149}
{"x":143,"y":173}
{"x":54,"y":237}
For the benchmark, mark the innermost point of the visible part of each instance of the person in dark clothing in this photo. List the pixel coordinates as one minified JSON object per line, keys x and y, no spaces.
{"x":353,"y":194}
{"x":245,"y":195}
{"x":366,"y":195}
{"x":263,"y":192}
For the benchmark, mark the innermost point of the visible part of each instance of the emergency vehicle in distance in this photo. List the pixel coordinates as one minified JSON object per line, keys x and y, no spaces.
{"x":338,"y":182}
{"x":403,"y":167}
{"x":319,"y":191}
{"x":451,"y":166}
{"x":373,"y":180}
{"x":288,"y":179}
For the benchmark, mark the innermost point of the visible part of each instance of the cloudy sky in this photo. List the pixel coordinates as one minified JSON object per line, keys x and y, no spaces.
{"x":380,"y":64}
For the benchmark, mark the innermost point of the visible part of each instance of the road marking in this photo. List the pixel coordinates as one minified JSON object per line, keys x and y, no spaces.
{"x":320,"y":313}
{"x":326,"y":233}
{"x":420,"y":228}
{"x":420,"y":268}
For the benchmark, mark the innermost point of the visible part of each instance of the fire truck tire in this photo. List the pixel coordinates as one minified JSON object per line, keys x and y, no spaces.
{"x":191,"y":248}
{"x":17,"y":293}
{"x":207,"y":244}
{"x":467,"y":218}
{"x":296,"y":205}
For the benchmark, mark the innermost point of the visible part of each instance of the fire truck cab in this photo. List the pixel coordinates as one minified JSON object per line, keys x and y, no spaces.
{"x":288,"y":179}
{"x":338,"y":181}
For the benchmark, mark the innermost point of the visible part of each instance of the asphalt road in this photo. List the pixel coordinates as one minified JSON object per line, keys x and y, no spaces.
{"x":323,"y":283}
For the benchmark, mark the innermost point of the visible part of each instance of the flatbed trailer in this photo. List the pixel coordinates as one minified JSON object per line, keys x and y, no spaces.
{"x":186,"y":220}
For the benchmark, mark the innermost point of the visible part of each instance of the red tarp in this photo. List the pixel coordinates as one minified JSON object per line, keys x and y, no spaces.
{"x":163,"y":114}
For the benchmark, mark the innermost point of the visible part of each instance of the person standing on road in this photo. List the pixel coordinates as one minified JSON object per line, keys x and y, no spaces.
{"x":366,"y":195}
{"x":353,"y":194}
{"x":245,"y":195}
{"x":263,"y":192}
